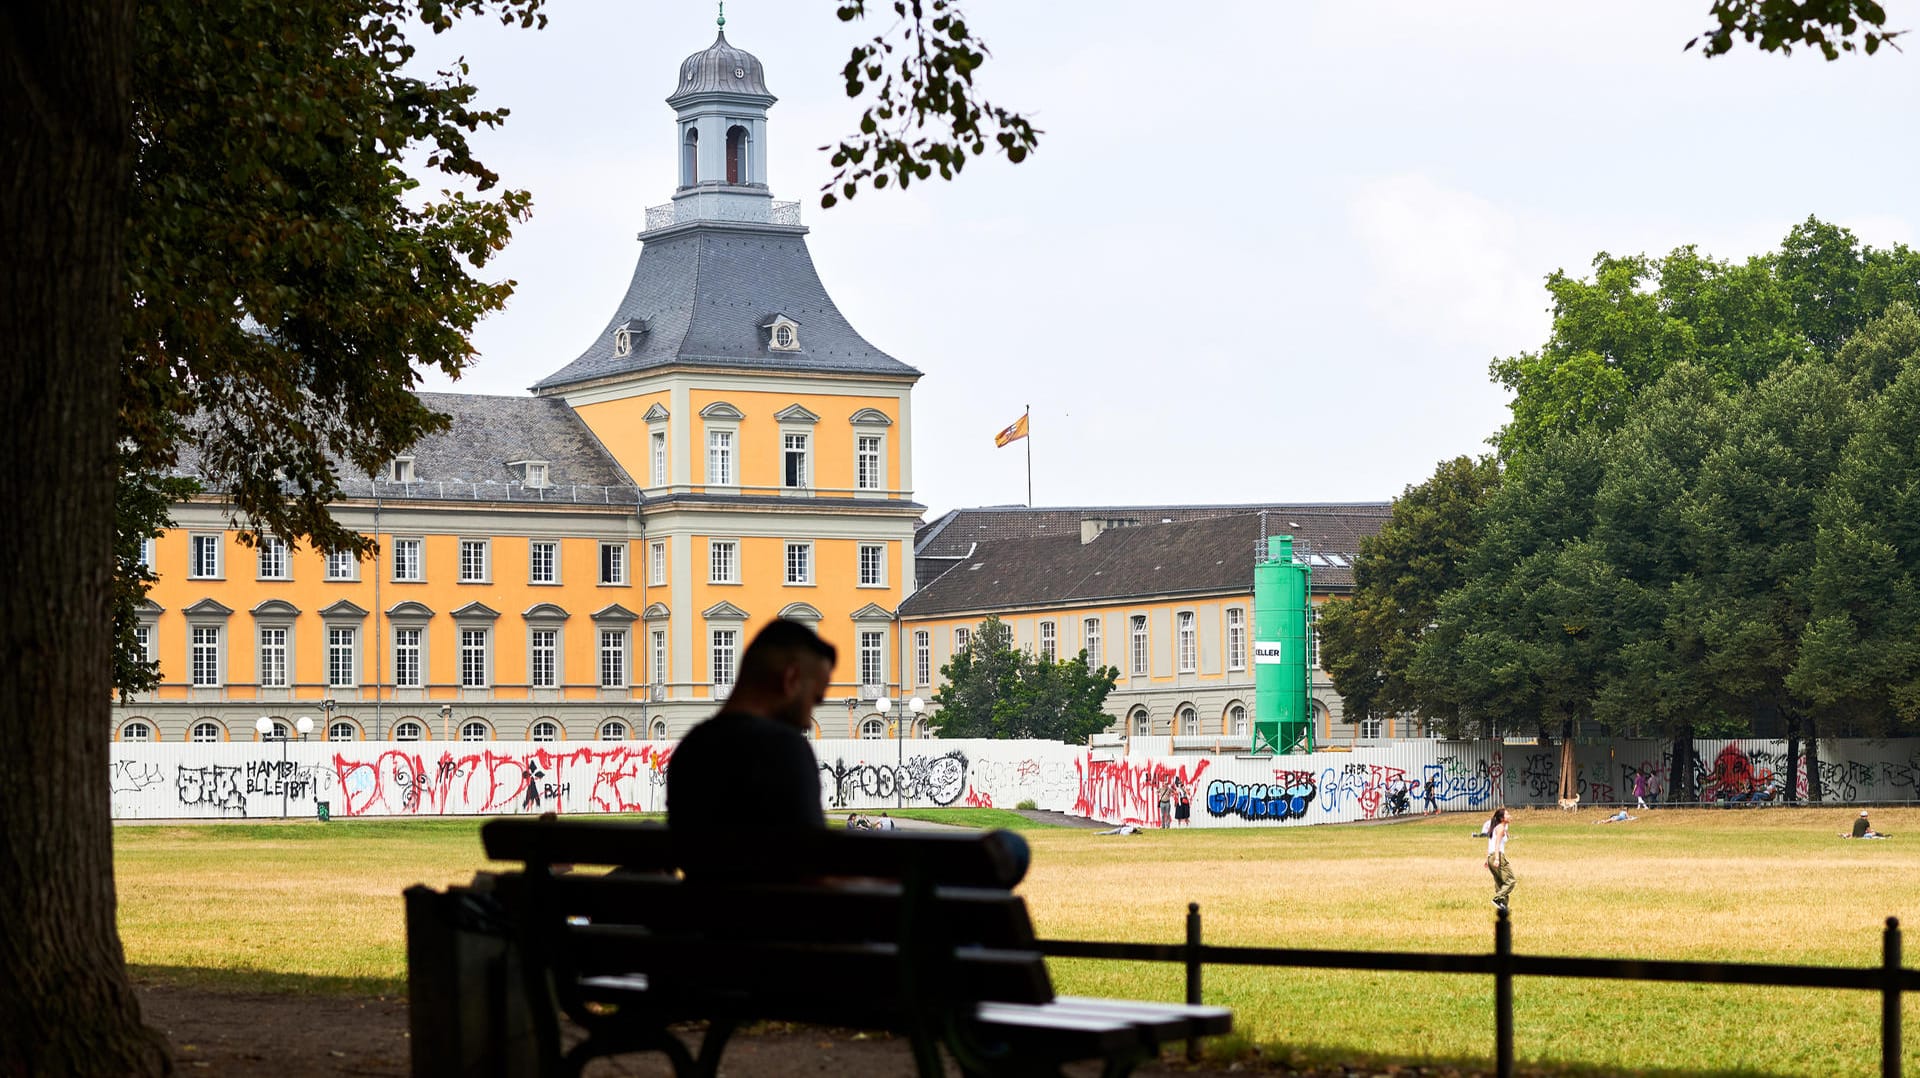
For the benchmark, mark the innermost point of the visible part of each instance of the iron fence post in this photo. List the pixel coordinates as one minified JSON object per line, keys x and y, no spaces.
{"x":1193,"y":972}
{"x":1890,"y":1001}
{"x":1503,"y":996}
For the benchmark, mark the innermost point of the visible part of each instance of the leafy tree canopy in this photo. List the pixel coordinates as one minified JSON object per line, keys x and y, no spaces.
{"x":1782,"y":25}
{"x":996,"y":690}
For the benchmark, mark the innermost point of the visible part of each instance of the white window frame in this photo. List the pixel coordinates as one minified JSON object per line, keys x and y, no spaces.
{"x":543,"y":657}
{"x":147,"y":548}
{"x":476,"y":657}
{"x":536,"y":475}
{"x":962,"y":638}
{"x":137,"y":730}
{"x":409,"y":646}
{"x":342,"y":731}
{"x":869,"y":468}
{"x":204,"y":665}
{"x":873,"y":656}
{"x":922,"y":658}
{"x":657,"y":441}
{"x":613,"y":658}
{"x":1237,"y":720}
{"x":1090,"y":642}
{"x":724,"y":656}
{"x":613,"y":730}
{"x":872,"y":565}
{"x":207,"y":727}
{"x":1236,"y":638}
{"x":273,"y":561}
{"x":343,"y":565}
{"x":476,"y":561}
{"x":613,"y":563}
{"x":143,"y":635}
{"x":1142,"y":653}
{"x":1186,"y":637}
{"x":544,"y":730}
{"x":657,"y":563}
{"x":660,"y":672}
{"x":205,"y":555}
{"x":343,"y":656}
{"x":474,"y":730}
{"x":788,"y":450}
{"x":414,"y":560}
{"x":1370,"y":729}
{"x":722,"y":467}
{"x":723,"y":561}
{"x":804,"y":578}
{"x":1142,"y":724}
{"x":873,"y":729}
{"x":273,"y":667}
{"x":409,"y":730}
{"x":1186,"y":721}
{"x":543,"y":554}
{"x":1049,"y":642}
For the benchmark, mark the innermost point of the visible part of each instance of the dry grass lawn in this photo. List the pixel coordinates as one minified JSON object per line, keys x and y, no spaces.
{"x":304,"y":905}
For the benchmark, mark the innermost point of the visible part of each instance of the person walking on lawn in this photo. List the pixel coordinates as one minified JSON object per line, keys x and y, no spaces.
{"x":1497,"y":860}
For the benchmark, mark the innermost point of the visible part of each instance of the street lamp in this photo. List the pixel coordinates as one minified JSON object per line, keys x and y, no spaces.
{"x":268,"y":728}
{"x":327,"y":707}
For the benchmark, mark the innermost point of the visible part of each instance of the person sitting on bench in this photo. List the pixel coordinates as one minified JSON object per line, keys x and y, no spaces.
{"x":749,"y":769}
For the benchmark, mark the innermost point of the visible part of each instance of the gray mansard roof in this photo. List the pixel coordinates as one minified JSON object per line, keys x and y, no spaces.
{"x":1320,"y":528}
{"x":704,"y":294}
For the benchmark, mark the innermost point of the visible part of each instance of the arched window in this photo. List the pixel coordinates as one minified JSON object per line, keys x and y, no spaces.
{"x":409,"y":731}
{"x":1237,"y":721}
{"x":873,"y":729}
{"x":546,"y":730}
{"x":613,"y":730}
{"x":1187,"y":722}
{"x":281,"y":732}
{"x":659,"y":729}
{"x":690,"y":158}
{"x":737,"y":155}
{"x":205,"y":730}
{"x":136,"y":731}
{"x":1142,"y":723}
{"x":343,"y":731}
{"x":473,"y":730}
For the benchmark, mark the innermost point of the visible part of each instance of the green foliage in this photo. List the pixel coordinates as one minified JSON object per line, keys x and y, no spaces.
{"x":920,"y":74}
{"x":1367,"y":643}
{"x":995,"y":690}
{"x":141,"y":499}
{"x":1779,"y":25}
{"x":286,"y":277}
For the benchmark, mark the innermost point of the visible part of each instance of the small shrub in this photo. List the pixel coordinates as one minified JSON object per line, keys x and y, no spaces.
{"x":1029,"y":803}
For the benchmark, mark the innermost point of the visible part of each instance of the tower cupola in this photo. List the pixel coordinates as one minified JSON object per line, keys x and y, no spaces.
{"x":721,"y":105}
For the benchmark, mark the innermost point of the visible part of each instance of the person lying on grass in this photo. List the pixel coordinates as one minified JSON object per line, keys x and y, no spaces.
{"x":1618,"y":817}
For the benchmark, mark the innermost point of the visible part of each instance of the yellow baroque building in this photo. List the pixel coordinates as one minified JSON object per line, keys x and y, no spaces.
{"x":587,"y":562}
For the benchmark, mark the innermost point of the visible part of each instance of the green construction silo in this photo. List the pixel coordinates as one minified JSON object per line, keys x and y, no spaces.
{"x":1282,"y":719}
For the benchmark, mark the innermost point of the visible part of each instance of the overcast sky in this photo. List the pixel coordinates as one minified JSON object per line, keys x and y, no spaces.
{"x":1265,"y":251}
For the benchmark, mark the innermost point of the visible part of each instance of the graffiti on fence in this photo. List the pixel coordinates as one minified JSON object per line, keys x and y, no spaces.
{"x":1121,"y":791}
{"x":1285,"y":798}
{"x":939,"y":780}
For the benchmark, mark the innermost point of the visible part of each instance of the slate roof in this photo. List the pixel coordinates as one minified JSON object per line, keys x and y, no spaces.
{"x":1200,"y":555}
{"x":468,"y":461}
{"x":1326,"y":527}
{"x":706,"y":290}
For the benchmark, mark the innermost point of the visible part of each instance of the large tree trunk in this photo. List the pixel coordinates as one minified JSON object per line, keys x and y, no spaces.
{"x":1680,"y":775}
{"x":1792,"y":778}
{"x":66,"y":122}
{"x":1813,"y":762}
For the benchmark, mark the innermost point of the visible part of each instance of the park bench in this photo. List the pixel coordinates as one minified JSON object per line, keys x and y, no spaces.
{"x":913,"y":933}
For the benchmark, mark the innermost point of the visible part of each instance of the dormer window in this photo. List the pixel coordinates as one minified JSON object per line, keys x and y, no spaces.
{"x":533,"y":473}
{"x":401,"y":470}
{"x":783,"y":334}
{"x":624,"y":335}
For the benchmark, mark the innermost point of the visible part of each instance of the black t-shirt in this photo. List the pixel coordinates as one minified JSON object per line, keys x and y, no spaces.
{"x":743,"y":774}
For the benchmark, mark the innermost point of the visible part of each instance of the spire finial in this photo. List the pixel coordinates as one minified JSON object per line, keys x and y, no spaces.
{"x":722,"y":20}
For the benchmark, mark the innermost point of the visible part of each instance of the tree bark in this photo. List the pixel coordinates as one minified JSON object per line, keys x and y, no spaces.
{"x":65,"y":78}
{"x":1680,"y":774}
{"x":1813,"y":762}
{"x":1792,"y":780}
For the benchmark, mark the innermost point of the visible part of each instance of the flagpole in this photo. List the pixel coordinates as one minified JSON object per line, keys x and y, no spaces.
{"x":1028,"y":417}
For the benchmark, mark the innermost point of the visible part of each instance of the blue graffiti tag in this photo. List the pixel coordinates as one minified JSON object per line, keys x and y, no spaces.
{"x":1259,"y":800}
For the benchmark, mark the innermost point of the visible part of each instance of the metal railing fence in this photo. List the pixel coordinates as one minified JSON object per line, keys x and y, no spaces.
{"x":1891,"y":979}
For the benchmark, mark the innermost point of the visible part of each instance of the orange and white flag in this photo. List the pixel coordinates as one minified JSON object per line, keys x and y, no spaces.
{"x":1015,"y":431}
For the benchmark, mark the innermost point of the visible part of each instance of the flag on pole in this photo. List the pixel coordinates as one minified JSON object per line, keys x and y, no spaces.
{"x":1015,"y":431}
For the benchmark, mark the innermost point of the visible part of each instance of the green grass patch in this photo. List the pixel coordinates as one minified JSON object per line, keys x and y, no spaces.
{"x":985,"y":819}
{"x":313,"y":907}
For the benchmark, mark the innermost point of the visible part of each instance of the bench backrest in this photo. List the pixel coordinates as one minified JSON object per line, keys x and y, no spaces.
{"x":858,"y":928}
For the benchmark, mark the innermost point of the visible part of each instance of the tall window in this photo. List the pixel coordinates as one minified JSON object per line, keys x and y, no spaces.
{"x":143,"y":641}
{"x":1236,"y":639}
{"x":1186,"y":722}
{"x":146,"y":553}
{"x":543,"y":562}
{"x":720,"y":458}
{"x":866,"y":463}
{"x":725,"y":642}
{"x":690,"y":158}
{"x":922,"y":657}
{"x":1237,"y":720}
{"x":799,"y":563}
{"x":961,"y":638}
{"x":1090,"y":632}
{"x":341,"y":668}
{"x":872,"y":657}
{"x":473,"y":561}
{"x":793,"y":460}
{"x":1184,"y":637}
{"x":206,"y":656}
{"x":659,"y":442}
{"x":406,"y":560}
{"x":203,"y":556}
{"x":1142,"y":724}
{"x":273,"y":558}
{"x":1139,"y":626}
{"x":613,"y":658}
{"x":273,"y":658}
{"x":1049,"y":642}
{"x":723,"y":562}
{"x":342,"y":565}
{"x":873,"y":565}
{"x":406,"y":658}
{"x":473,"y":658}
{"x":737,"y":167}
{"x":657,"y":563}
{"x":659,"y":656}
{"x":613,"y":563}
{"x":544,"y":662}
